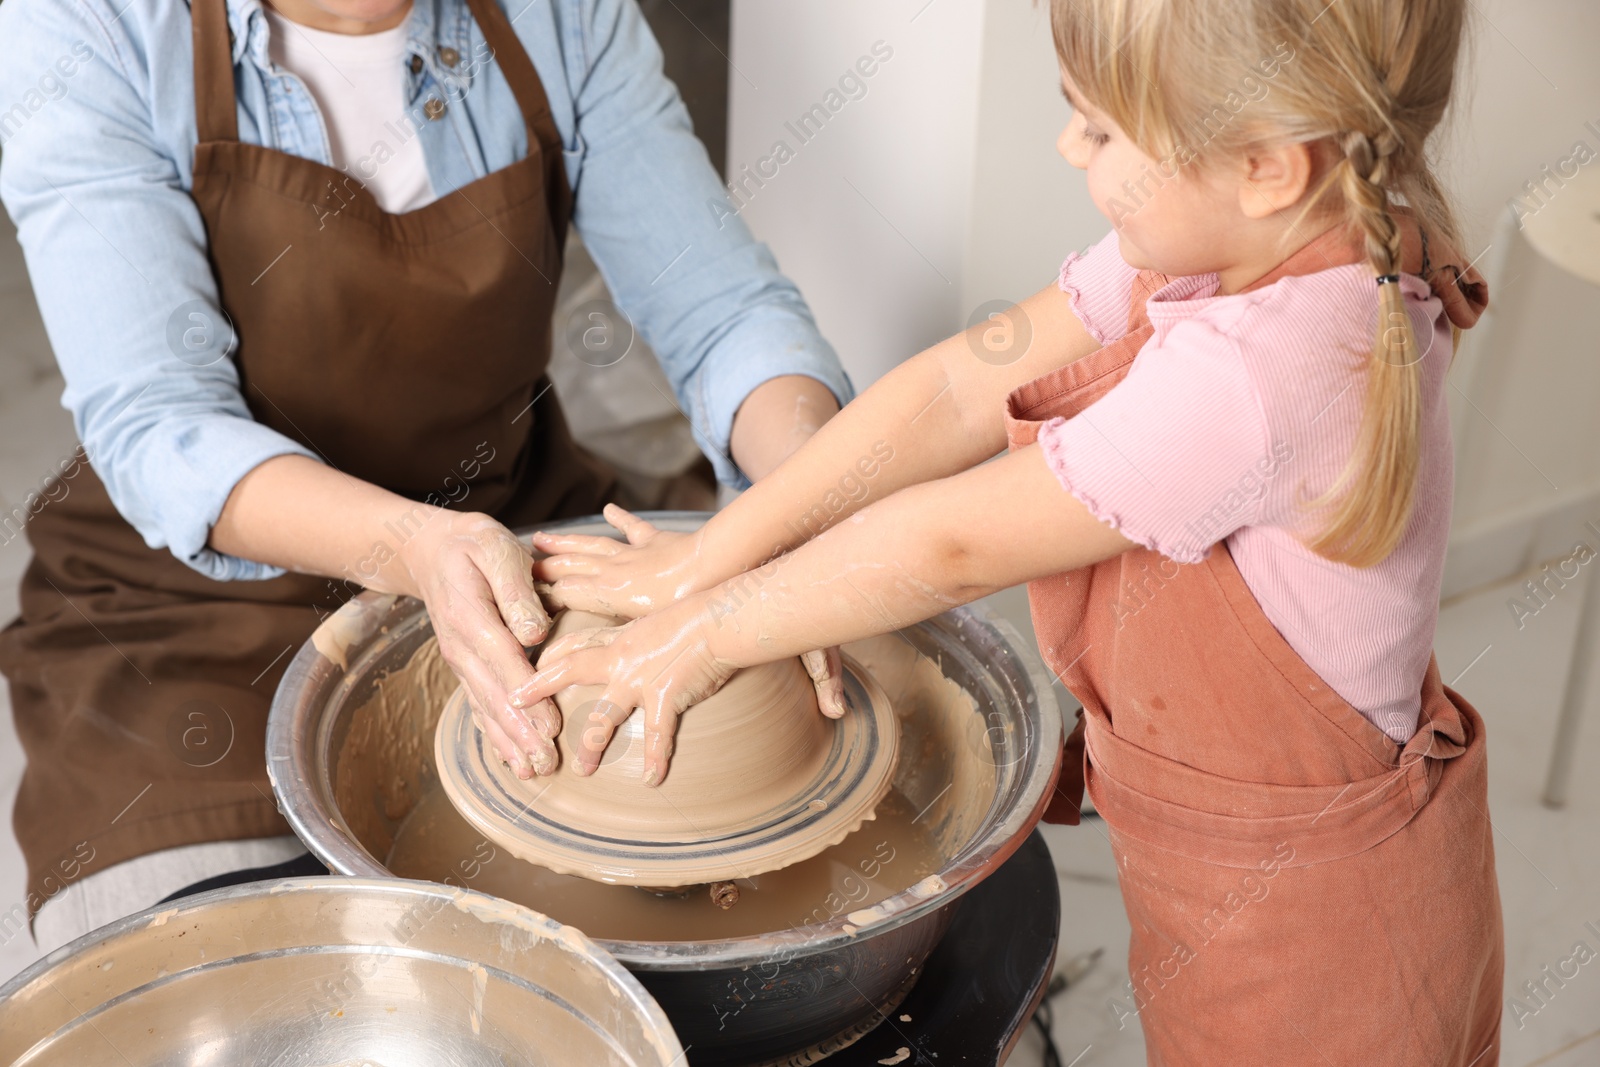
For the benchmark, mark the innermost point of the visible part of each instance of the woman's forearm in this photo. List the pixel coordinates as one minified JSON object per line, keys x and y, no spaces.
{"x":861,"y":454}
{"x":309,"y":518}
{"x":469,"y":570}
{"x":777,"y":418}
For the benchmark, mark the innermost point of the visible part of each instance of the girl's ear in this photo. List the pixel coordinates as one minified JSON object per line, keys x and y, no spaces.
{"x":1274,"y":179}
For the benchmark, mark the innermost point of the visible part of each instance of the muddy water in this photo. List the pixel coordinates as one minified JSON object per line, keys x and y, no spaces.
{"x":887,"y":855}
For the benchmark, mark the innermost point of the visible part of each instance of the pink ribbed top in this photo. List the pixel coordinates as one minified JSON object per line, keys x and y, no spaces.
{"x":1234,"y":413}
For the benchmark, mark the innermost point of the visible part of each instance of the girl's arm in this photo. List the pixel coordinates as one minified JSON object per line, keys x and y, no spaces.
{"x":908,"y":558}
{"x":938,"y":413}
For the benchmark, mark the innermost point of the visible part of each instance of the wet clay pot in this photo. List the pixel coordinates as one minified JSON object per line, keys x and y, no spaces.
{"x":760,"y":779}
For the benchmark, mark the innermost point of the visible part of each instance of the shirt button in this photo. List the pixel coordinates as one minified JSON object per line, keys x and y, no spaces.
{"x":416,"y":64}
{"x":448,"y":56}
{"x":434,"y":108}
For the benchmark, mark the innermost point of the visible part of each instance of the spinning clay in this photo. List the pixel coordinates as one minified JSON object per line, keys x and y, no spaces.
{"x":759,"y":779}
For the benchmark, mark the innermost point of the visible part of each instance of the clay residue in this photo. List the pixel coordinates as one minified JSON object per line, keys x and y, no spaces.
{"x":945,"y":770}
{"x":480,"y":985}
{"x":876,"y":913}
{"x":931,"y":886}
{"x":345,"y":628}
{"x":883,"y":858}
{"x":491,"y":909}
{"x":385,"y":762}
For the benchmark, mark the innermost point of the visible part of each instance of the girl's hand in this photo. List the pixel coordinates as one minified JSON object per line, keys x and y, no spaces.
{"x":604,"y":576}
{"x":656,"y":568}
{"x":476,"y":579}
{"x":663,"y":663}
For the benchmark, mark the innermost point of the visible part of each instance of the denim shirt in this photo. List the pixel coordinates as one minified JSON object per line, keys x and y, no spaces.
{"x":98,"y":126}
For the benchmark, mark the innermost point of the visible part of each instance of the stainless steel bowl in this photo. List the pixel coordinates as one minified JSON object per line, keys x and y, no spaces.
{"x":788,"y":996}
{"x":332,"y":972}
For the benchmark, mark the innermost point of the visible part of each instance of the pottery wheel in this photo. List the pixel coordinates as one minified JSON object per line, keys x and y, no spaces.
{"x":760,"y":779}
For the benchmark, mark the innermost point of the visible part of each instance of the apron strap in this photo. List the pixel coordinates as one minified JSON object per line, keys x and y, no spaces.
{"x":216,"y":105}
{"x":216,"y":111}
{"x":528,"y":89}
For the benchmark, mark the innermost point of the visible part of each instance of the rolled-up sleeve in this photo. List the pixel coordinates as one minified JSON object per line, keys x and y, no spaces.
{"x":682,"y":265}
{"x":116,"y":253}
{"x":1099,"y":284}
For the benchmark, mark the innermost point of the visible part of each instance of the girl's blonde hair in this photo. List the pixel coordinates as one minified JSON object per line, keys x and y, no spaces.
{"x":1191,"y":80}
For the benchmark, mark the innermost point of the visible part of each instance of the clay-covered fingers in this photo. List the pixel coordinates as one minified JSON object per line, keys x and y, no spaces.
{"x":586,"y":582}
{"x":468,"y":611}
{"x":576,"y":544}
{"x":546,"y":718}
{"x":653,"y":570}
{"x":686,"y":680}
{"x":548,"y":597}
{"x":573,"y":554}
{"x":508,"y":752}
{"x":569,"y":565}
{"x":660,"y":734}
{"x":577,"y":594}
{"x":578,"y":667}
{"x":476,"y":579}
{"x":507,"y":567}
{"x":485,"y":657}
{"x":826,"y":669}
{"x":586,"y":594}
{"x":607,"y":713}
{"x":577,"y":641}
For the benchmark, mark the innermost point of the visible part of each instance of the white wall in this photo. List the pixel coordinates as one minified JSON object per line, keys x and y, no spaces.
{"x":870,"y":217}
{"x":954,"y":145}
{"x":962,"y":198}
{"x":1030,"y":207}
{"x":1527,"y":477}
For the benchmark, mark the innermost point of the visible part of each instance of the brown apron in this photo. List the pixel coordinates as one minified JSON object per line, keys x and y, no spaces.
{"x":1301,"y":888}
{"x":406,"y":350}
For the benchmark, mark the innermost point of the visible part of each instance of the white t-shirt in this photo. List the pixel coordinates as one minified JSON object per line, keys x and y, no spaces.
{"x":359,"y":84}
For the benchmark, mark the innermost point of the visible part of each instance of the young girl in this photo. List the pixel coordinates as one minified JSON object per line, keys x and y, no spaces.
{"x":1228,"y":485}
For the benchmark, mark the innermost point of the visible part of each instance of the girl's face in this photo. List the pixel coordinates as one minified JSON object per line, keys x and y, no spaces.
{"x":1169,"y":214}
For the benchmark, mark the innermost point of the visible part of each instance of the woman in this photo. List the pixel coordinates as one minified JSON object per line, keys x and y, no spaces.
{"x":297,"y":263}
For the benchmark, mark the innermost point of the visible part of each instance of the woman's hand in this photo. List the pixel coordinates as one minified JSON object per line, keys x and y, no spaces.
{"x":474,"y":576}
{"x":656,"y":568}
{"x":476,"y":579}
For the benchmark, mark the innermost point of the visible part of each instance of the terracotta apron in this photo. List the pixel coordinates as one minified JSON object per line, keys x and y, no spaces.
{"x":1301,"y":888}
{"x":407,"y":350}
